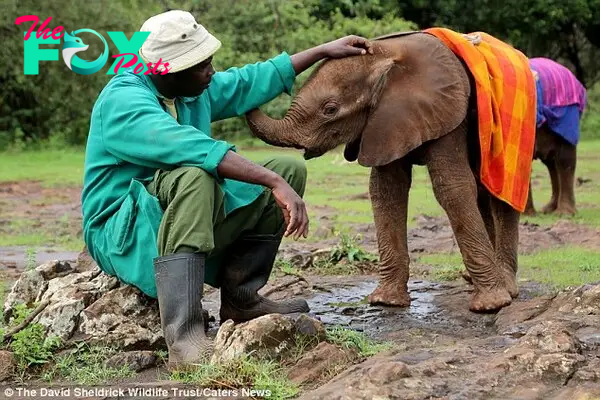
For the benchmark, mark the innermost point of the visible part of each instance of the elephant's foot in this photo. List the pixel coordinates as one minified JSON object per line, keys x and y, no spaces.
{"x":530,"y":212}
{"x":486,"y":300}
{"x":550,"y":207}
{"x":390,"y":294}
{"x":565,"y":210}
{"x":465,"y":275}
{"x":510,"y":282}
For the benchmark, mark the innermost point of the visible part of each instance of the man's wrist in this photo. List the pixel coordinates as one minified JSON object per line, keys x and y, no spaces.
{"x":273,"y":180}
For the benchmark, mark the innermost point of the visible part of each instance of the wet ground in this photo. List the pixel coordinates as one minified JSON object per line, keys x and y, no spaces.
{"x":437,"y":319}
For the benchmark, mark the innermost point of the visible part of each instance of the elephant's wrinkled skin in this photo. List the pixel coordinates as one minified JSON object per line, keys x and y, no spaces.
{"x":409,"y":103}
{"x":560,"y":157}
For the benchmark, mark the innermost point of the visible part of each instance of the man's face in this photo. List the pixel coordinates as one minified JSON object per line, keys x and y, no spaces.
{"x":193,"y":81}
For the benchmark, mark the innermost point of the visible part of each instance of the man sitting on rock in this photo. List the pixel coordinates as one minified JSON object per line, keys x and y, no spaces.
{"x":166,"y":207}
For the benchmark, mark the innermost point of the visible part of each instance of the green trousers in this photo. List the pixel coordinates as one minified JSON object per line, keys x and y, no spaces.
{"x":194,"y":219}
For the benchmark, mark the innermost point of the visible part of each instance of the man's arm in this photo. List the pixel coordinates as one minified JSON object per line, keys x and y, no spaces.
{"x":344,"y":47}
{"x":140,"y":132}
{"x":234,"y":166}
{"x":238,"y":90}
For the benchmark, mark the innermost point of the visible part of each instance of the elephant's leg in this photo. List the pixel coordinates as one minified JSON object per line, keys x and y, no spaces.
{"x":506,"y":221}
{"x":485,"y":209}
{"x":455,"y":188}
{"x":566,"y":161}
{"x":388,"y":188}
{"x":550,"y":163}
{"x":530,"y":208}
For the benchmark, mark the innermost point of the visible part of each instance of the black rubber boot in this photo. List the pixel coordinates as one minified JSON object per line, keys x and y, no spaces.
{"x":247,"y":269}
{"x":179,"y":285}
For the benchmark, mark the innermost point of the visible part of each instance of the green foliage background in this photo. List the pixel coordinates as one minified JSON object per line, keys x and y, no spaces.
{"x":56,"y":104}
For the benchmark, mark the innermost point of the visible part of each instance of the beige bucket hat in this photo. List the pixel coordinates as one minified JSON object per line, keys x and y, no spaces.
{"x":176,"y":38}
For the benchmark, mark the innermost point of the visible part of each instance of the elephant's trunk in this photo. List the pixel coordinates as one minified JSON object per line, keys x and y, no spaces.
{"x":277,"y":132}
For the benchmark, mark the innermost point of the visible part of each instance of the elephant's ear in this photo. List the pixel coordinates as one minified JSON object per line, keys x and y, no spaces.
{"x":420,"y":92}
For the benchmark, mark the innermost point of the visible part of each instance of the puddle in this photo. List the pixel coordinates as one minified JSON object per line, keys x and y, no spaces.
{"x":345,"y":305}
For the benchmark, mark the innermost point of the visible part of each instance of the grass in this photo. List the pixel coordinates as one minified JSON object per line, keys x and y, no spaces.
{"x":54,"y":168}
{"x":270,"y":377}
{"x":84,"y":365}
{"x":264,"y":376}
{"x":560,"y":268}
{"x":359,"y":342}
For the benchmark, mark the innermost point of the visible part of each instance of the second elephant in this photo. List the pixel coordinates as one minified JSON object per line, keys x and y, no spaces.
{"x":561,"y":99}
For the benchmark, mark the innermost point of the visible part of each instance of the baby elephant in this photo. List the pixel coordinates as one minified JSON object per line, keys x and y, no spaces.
{"x":413,"y":102}
{"x":561,"y":99}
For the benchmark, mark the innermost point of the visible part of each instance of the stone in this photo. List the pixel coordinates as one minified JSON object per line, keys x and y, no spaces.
{"x":26,"y":290}
{"x":587,"y":373}
{"x":297,"y":258}
{"x":134,"y":360}
{"x":267,"y":336}
{"x":124,"y":317}
{"x":54,"y":269}
{"x":61,"y":318}
{"x":7,"y":365}
{"x":308,"y":326}
{"x":318,"y":363}
{"x":557,"y":367}
{"x":589,"y":337}
{"x":85,"y":262}
{"x":387,"y":372}
{"x":519,"y":312}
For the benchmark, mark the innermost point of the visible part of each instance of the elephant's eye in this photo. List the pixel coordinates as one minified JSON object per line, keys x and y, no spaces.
{"x":330,"y":109}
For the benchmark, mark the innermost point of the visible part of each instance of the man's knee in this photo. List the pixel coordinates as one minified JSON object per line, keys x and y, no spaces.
{"x":192,"y":178}
{"x":292,"y":169}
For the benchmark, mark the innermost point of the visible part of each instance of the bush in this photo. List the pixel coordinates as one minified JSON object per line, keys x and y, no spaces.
{"x":57,"y":103}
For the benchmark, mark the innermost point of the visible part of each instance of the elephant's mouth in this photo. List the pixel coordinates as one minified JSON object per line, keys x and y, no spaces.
{"x":351,"y":150}
{"x":310,"y":153}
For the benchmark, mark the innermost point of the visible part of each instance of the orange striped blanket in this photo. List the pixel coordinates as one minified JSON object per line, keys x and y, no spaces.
{"x":506,"y":106}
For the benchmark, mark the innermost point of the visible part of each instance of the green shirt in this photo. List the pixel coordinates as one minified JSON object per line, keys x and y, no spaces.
{"x":132,"y":135}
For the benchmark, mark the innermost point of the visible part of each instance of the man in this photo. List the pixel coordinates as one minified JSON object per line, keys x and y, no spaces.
{"x":166,"y":207}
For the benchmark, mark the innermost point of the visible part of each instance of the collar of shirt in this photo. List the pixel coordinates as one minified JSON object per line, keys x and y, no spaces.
{"x":148,"y":82}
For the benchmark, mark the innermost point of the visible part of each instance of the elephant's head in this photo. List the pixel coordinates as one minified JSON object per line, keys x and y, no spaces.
{"x":381,"y":106}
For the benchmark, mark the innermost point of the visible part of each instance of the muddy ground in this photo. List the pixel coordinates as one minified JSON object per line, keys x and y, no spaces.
{"x":437,"y":327}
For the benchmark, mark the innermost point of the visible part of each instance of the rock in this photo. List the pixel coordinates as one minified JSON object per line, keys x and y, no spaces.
{"x":124,"y":317}
{"x":85,"y":262}
{"x":318,"y":363}
{"x":26,"y":290}
{"x":584,"y":300}
{"x":589,"y":337}
{"x":378,"y":378}
{"x":387,"y":372}
{"x":87,"y":303}
{"x":266,"y":336}
{"x":557,"y":367}
{"x":61,"y":318}
{"x":587,"y":373}
{"x":576,"y":393}
{"x":7,"y":365}
{"x":306,"y":325}
{"x":54,"y":269}
{"x":298,"y":258}
{"x":519,"y":312}
{"x":134,"y":360}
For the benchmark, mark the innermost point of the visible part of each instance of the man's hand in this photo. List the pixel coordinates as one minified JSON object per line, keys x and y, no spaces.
{"x":344,"y":47}
{"x":234,"y":166}
{"x":347,"y":46}
{"x":293,"y":208}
